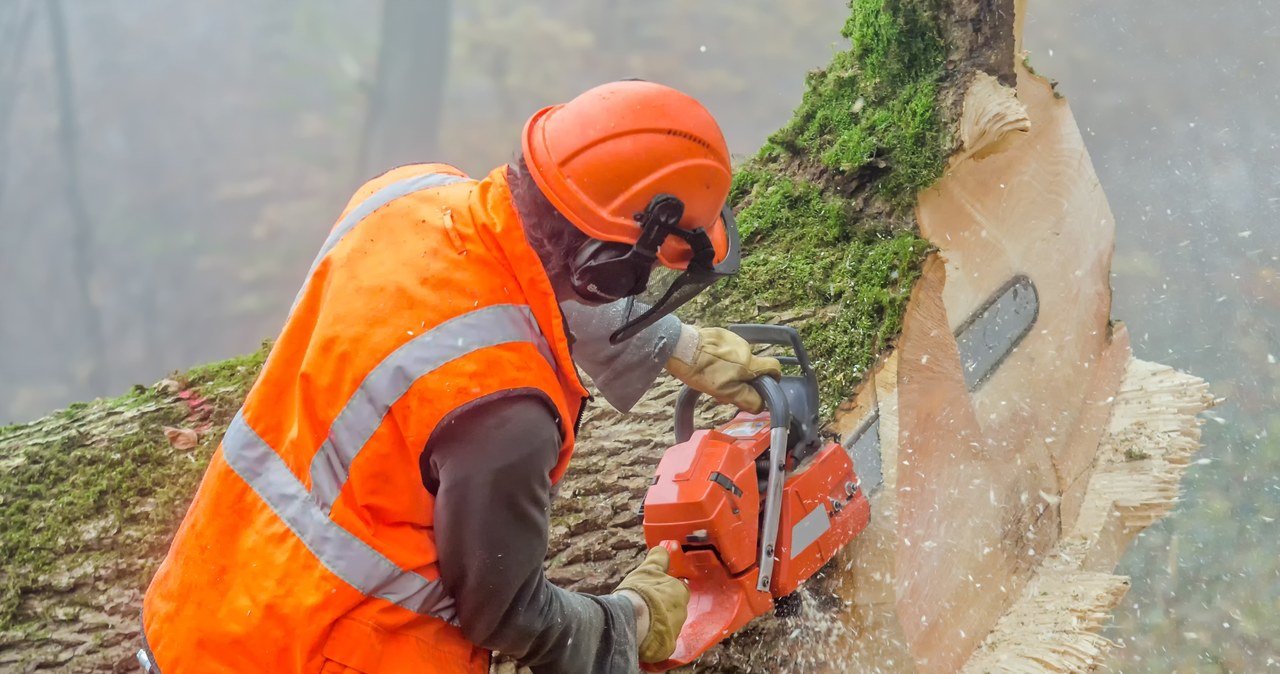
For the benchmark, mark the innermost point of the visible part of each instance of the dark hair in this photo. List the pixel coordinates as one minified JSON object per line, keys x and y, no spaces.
{"x":552,"y":236}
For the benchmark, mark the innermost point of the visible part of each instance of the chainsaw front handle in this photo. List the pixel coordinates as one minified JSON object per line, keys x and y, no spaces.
{"x":780,"y":335}
{"x":775,"y":403}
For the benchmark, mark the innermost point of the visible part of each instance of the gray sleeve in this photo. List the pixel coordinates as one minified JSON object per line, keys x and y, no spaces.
{"x":489,"y":470}
{"x":625,"y":371}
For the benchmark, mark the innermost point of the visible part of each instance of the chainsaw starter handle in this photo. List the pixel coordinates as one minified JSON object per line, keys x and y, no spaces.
{"x":775,"y":401}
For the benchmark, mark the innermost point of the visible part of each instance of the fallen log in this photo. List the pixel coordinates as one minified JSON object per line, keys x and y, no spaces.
{"x":931,"y":222}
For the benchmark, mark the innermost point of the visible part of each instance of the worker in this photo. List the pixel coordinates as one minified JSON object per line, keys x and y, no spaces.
{"x":380,"y":503}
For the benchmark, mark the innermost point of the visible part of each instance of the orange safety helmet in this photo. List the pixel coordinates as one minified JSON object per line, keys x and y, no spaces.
{"x":644,"y":171}
{"x":602,"y":157}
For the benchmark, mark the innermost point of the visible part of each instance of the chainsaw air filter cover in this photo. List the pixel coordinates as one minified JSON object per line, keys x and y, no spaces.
{"x":706,"y":494}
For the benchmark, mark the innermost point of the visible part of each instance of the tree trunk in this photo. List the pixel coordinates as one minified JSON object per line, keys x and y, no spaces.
{"x":83,"y":249}
{"x":402,"y":124}
{"x":1009,"y":493}
{"x":931,"y":222}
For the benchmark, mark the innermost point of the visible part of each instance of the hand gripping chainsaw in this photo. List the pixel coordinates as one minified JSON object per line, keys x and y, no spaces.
{"x":753,"y":508}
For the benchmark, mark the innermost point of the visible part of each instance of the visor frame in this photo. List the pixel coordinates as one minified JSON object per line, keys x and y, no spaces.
{"x":697,"y":275}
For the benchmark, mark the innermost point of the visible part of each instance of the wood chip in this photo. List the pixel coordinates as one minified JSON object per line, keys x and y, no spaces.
{"x":181,"y":438}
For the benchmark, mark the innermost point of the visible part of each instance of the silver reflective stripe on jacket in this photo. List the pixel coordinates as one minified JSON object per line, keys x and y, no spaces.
{"x":340,"y":551}
{"x":391,"y":379}
{"x":147,"y":662}
{"x":307,"y":513}
{"x":146,"y":659}
{"x":366,"y":208}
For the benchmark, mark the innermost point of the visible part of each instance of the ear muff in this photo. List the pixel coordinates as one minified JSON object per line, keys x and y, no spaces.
{"x":605,"y":271}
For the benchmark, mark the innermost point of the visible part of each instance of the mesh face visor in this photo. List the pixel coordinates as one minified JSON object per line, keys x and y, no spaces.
{"x":670,"y":289}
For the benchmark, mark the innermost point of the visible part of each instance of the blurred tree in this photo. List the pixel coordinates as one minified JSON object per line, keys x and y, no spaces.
{"x":403,"y":121}
{"x":218,"y":140}
{"x":16,"y":19}
{"x":513,"y":56}
{"x":96,"y":365}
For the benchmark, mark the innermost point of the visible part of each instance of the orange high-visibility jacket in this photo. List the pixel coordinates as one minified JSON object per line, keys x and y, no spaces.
{"x":309,"y":546}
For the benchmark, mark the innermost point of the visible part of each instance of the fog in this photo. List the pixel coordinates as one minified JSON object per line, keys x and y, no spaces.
{"x":168,"y":169}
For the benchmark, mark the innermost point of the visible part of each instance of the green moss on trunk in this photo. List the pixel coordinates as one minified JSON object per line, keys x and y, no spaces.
{"x":844,"y":287}
{"x":89,"y":496}
{"x":825,"y":208}
{"x":872,"y":114}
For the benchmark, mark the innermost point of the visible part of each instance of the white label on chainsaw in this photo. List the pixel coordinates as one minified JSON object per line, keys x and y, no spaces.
{"x":808,"y":529}
{"x":744,"y":429}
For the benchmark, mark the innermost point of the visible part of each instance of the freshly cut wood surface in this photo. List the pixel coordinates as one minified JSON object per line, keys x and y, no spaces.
{"x":1054,"y":625}
{"x":982,"y":486}
{"x":983,"y":475}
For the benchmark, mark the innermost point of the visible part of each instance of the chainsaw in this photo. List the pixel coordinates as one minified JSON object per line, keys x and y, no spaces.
{"x":751,"y":509}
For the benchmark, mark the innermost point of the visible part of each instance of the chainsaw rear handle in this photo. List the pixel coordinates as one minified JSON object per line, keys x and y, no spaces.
{"x":775,"y":401}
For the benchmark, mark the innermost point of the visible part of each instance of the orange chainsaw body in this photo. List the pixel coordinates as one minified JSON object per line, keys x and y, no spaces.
{"x":705,"y":506}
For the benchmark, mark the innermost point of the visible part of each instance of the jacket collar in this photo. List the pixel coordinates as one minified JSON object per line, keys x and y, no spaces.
{"x":498,"y":222}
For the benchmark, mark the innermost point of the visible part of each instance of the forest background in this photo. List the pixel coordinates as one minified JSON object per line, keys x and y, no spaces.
{"x":168,"y":169}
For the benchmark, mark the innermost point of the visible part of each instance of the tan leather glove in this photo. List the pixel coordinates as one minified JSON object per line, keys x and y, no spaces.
{"x":501,"y":664}
{"x":667,"y":599}
{"x":720,"y":364}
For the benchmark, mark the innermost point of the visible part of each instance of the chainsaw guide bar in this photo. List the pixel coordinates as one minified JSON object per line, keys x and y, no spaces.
{"x":984,"y":341}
